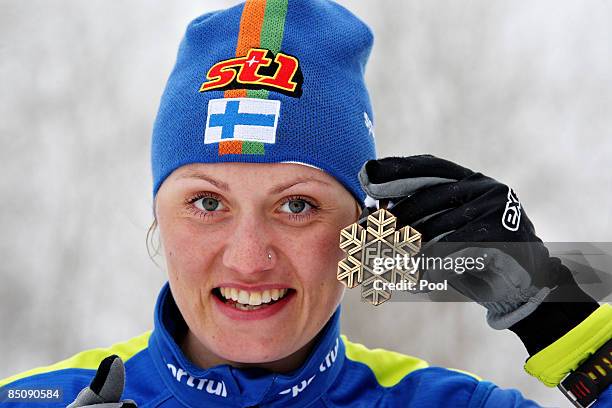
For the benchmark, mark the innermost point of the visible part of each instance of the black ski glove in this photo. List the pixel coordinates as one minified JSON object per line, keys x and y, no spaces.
{"x":472,"y":215}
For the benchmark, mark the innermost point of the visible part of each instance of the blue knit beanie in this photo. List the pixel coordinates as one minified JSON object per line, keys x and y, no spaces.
{"x":269,"y":81}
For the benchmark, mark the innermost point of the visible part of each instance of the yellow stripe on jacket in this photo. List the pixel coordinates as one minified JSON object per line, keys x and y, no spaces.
{"x":89,"y":359}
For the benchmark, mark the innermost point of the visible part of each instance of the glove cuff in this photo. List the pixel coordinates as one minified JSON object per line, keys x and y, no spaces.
{"x":554,"y":362}
{"x":502,"y":315}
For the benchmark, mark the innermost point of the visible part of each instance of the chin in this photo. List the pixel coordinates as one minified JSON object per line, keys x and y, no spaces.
{"x":253,"y":352}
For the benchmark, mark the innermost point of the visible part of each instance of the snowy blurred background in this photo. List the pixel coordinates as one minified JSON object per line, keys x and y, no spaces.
{"x":521,"y":91}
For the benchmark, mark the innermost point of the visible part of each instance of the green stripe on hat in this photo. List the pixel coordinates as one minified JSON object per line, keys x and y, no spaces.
{"x":271,"y":38}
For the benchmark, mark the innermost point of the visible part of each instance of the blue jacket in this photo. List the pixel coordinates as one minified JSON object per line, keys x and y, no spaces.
{"x":338,"y":373}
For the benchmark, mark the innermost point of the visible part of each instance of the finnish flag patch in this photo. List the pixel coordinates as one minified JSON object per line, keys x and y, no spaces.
{"x":246,"y":119}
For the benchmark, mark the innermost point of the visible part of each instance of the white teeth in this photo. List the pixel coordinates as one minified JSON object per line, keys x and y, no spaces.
{"x":253,"y":299}
{"x":243,"y":297}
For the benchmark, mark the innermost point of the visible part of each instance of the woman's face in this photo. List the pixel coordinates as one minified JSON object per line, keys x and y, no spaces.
{"x":251,"y":252}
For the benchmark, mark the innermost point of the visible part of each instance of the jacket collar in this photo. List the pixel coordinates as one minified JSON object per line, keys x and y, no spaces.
{"x":224,"y":385}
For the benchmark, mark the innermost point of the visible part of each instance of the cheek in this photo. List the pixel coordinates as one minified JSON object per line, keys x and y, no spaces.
{"x":316,"y":255}
{"x":188,"y":251}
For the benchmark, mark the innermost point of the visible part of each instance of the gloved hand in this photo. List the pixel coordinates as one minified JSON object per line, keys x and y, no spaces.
{"x":106,"y":388}
{"x":473,"y":215}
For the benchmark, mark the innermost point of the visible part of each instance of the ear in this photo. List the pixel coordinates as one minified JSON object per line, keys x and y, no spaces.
{"x":358,"y":210}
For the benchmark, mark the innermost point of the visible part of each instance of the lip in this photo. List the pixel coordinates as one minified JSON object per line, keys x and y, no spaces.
{"x":253,"y":288}
{"x":259,"y":314}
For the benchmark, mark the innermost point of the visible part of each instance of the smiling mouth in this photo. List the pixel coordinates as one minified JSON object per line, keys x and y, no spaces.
{"x":250,"y":300}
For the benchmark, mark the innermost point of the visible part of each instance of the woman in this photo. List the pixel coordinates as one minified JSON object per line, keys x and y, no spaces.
{"x":261,"y":133}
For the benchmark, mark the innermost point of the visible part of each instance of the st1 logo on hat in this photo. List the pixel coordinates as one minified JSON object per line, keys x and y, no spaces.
{"x":259,"y":69}
{"x":246,"y":119}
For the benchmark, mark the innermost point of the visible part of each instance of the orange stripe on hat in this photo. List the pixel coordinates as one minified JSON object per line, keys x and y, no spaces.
{"x":248,"y":37}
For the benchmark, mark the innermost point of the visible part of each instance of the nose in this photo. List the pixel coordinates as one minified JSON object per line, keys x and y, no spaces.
{"x":249,"y":248}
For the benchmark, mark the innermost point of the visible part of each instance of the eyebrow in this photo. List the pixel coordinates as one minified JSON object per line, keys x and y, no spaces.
{"x":225,"y":187}
{"x":301,"y":180}
{"x":217,"y":183}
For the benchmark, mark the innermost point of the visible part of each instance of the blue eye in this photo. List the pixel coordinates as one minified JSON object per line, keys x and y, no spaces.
{"x":296,"y":206}
{"x":209,"y":204}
